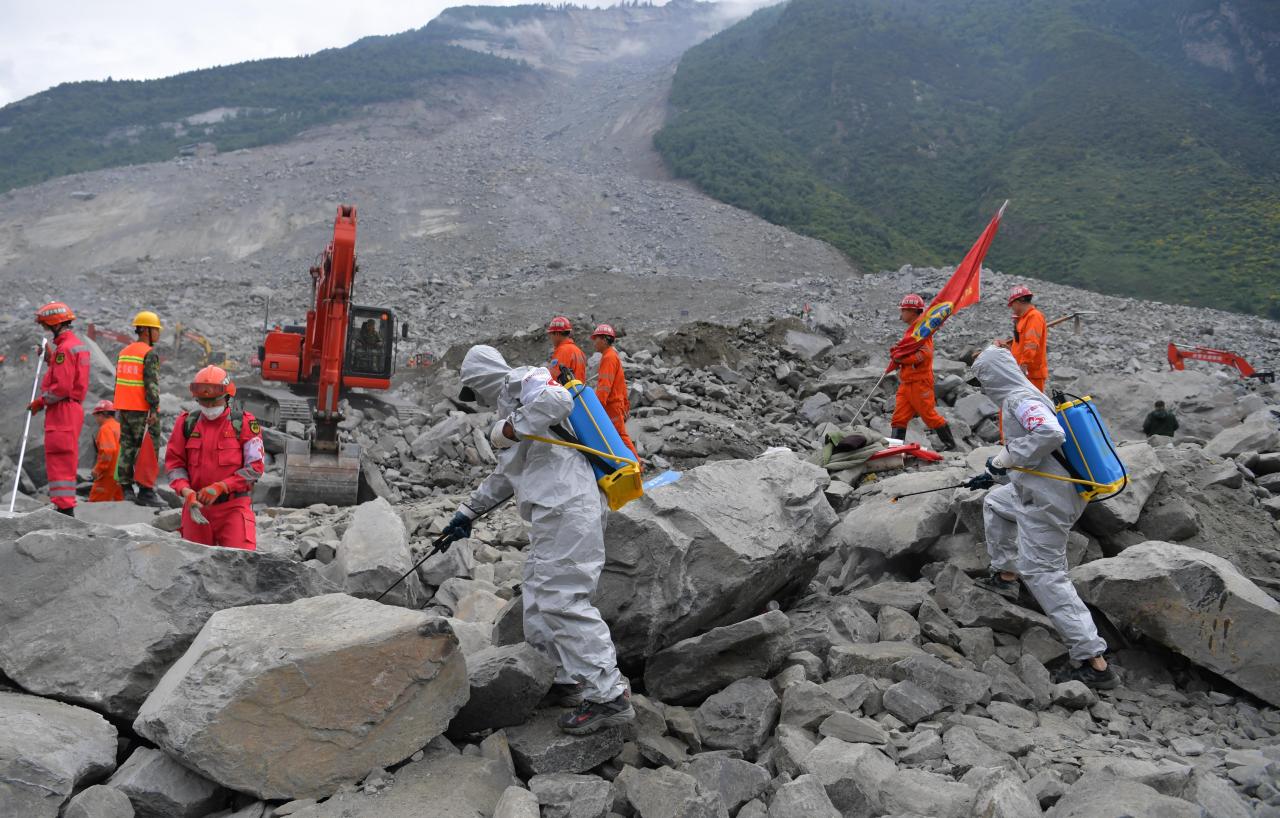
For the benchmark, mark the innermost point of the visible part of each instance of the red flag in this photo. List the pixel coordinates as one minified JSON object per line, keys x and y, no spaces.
{"x":962,"y":290}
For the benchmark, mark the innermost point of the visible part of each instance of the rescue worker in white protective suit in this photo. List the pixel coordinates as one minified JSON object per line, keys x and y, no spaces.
{"x":1028,"y":519}
{"x":557,"y":494}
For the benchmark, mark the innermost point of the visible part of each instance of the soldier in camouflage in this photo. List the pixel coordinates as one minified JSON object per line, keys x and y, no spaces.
{"x":137,"y":399}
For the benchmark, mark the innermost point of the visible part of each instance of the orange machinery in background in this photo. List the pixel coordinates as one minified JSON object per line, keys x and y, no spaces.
{"x":1179,"y":353}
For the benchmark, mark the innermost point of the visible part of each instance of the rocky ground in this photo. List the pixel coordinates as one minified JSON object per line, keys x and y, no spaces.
{"x":798,"y":644}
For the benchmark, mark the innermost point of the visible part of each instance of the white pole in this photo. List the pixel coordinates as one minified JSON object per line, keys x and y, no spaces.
{"x":26,"y":430}
{"x":858,"y":414}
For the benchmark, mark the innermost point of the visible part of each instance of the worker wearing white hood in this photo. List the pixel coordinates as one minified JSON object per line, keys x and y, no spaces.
{"x":1028,"y":519}
{"x":556,"y":492}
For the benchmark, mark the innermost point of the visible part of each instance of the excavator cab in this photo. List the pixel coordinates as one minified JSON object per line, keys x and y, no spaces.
{"x":370,"y":358}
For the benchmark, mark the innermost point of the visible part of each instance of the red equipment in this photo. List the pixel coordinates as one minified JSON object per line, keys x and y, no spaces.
{"x":1178,"y":353}
{"x":341,"y":346}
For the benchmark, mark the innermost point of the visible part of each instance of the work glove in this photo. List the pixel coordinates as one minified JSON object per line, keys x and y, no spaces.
{"x":35,"y":406}
{"x":212,"y":492}
{"x":998,"y":466}
{"x":459,"y":528}
{"x":981,"y":481}
{"x":498,"y":435}
{"x":191,"y":503}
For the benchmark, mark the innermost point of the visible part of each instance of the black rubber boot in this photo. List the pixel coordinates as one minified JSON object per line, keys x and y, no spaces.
{"x":70,"y":512}
{"x":948,"y":439}
{"x":900,"y":434}
{"x":1097,"y":679}
{"x":129,"y":495}
{"x":148,"y":497}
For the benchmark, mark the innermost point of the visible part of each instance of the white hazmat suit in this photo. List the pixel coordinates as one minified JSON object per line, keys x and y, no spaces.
{"x":556,"y":492}
{"x":1028,"y":519}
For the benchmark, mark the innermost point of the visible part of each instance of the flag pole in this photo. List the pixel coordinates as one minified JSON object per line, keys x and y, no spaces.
{"x":858,"y":414}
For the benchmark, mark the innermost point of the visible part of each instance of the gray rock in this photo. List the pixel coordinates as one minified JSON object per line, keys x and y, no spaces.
{"x":805,"y":346}
{"x":98,"y":802}
{"x":976,"y":407}
{"x":667,"y":793}
{"x":159,"y":787}
{"x":568,"y":795}
{"x":1006,"y":686}
{"x":692,"y":669}
{"x":711,"y":550}
{"x":925,"y":745}
{"x":1171,"y":519}
{"x":508,"y":627}
{"x":1122,"y":511}
{"x":734,"y":780}
{"x":375,"y":553}
{"x":1003,"y":795}
{"x":926,"y":793}
{"x":47,"y":750}
{"x":973,"y":606}
{"x":1219,"y":798}
{"x":1098,"y":795}
{"x":539,"y":746}
{"x":911,"y":703}
{"x":951,"y":685}
{"x":791,"y":747}
{"x":869,"y":660}
{"x":897,"y":626}
{"x":517,"y":802}
{"x":852,"y":774}
{"x":1074,"y":695}
{"x":805,"y":797}
{"x":454,"y":785}
{"x":996,"y":735}
{"x":378,"y":682}
{"x":55,"y":586}
{"x":507,"y":683}
{"x":1250,"y":436}
{"x":740,"y":717}
{"x":662,"y":751}
{"x":851,"y":728}
{"x":965,"y":750}
{"x":906,"y":596}
{"x":819,"y":622}
{"x":1043,"y":645}
{"x":1036,"y":677}
{"x":1165,"y":777}
{"x":906,"y":527}
{"x":806,"y":705}
{"x":1194,"y":603}
{"x":977,"y":644}
{"x":443,"y":432}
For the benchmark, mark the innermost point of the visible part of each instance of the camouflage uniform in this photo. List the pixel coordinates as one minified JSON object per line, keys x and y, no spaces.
{"x":133,"y":425}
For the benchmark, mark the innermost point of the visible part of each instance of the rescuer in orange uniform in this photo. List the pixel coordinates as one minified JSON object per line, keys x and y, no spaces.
{"x":62,"y":392}
{"x":107,"y":442}
{"x":564,"y":352}
{"x":915,"y":383}
{"x":611,"y":384}
{"x":1030,"y":340}
{"x":137,"y":399}
{"x":213,"y":459}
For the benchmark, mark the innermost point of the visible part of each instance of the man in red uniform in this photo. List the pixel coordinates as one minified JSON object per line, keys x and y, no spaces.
{"x":62,"y":392}
{"x":213,"y":459}
{"x":107,"y":442}
{"x":611,"y":384}
{"x":564,"y":352}
{"x":1030,"y":341}
{"x":915,"y":382}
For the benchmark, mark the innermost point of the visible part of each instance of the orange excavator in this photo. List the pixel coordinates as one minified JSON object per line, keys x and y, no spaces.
{"x":342,"y":346}
{"x":1179,"y":353}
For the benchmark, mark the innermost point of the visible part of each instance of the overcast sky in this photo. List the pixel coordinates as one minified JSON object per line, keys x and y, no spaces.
{"x":46,"y":42}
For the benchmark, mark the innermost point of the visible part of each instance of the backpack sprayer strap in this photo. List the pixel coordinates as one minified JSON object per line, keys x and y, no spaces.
{"x":1075,"y":480}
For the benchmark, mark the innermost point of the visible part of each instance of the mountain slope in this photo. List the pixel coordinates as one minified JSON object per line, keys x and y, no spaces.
{"x":893,"y":128}
{"x":88,"y":125}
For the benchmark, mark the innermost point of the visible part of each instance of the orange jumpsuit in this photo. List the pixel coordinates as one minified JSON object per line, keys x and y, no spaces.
{"x":105,"y":488}
{"x":915,"y":390}
{"x":65,"y":384}
{"x":1030,"y":339}
{"x":568,"y":355}
{"x":611,"y":389}
{"x":216,"y":453}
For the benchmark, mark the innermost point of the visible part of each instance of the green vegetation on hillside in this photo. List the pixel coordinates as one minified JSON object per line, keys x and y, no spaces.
{"x":88,"y":125}
{"x":893,"y":129}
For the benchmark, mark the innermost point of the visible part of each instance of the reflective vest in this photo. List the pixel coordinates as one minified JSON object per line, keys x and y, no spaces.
{"x":131,"y":392}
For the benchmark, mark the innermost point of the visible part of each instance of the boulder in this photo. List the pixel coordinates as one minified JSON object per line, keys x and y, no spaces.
{"x":539,"y":746}
{"x":740,"y":717}
{"x":805,"y":346}
{"x":1194,"y":603}
{"x":852,"y":774}
{"x":1250,"y":436}
{"x":869,"y":660}
{"x":1122,"y":511}
{"x":975,"y":408}
{"x":668,"y":793}
{"x":507,"y":682}
{"x":292,"y":701}
{"x":971,"y":605}
{"x":1170,"y":519}
{"x":951,"y":685}
{"x":690,"y":670}
{"x":819,"y":622}
{"x":804,"y":797}
{"x":517,"y":802}
{"x":159,"y":787}
{"x":711,"y":550}
{"x":120,"y":513}
{"x":734,"y":780}
{"x":908,"y":526}
{"x":451,"y":428}
{"x":96,"y":620}
{"x":569,"y":795}
{"x":47,"y":750}
{"x":910,"y":703}
{"x":375,"y":553}
{"x":1096,"y":795}
{"x":99,"y":802}
{"x":905,"y":596}
{"x":922,"y":792}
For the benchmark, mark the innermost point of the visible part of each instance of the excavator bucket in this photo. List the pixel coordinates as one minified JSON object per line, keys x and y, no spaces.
{"x":312,"y":476}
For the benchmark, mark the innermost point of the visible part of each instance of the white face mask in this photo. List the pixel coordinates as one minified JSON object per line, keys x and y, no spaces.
{"x":212,"y":412}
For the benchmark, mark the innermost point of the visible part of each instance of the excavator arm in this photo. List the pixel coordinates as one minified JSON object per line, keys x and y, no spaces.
{"x":1179,"y":353}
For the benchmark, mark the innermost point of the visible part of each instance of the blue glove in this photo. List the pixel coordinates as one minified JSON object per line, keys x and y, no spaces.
{"x":994,"y":470}
{"x":459,"y":528}
{"x":981,"y":481}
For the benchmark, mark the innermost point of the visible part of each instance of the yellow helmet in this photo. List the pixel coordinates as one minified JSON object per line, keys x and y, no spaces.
{"x":147,"y":318}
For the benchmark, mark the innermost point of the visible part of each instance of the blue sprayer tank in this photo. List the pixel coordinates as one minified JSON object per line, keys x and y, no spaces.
{"x":618,"y":475}
{"x":1088,"y":449}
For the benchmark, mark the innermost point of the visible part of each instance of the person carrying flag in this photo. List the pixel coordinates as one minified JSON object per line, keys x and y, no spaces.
{"x":915,"y":396}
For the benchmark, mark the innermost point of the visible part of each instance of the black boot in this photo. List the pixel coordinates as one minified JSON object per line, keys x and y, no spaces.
{"x":948,"y":439}
{"x":70,"y":512}
{"x":1097,"y":679}
{"x":900,"y":434}
{"x":592,"y":716}
{"x":148,"y":497}
{"x":129,"y":495}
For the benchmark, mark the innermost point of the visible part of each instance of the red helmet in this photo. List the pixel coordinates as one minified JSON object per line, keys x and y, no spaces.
{"x":212,"y":382}
{"x":559,"y":324}
{"x":604,"y":330}
{"x":54,"y":313}
{"x":1018,"y":292}
{"x":911,"y":301}
{"x":104,"y":407}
